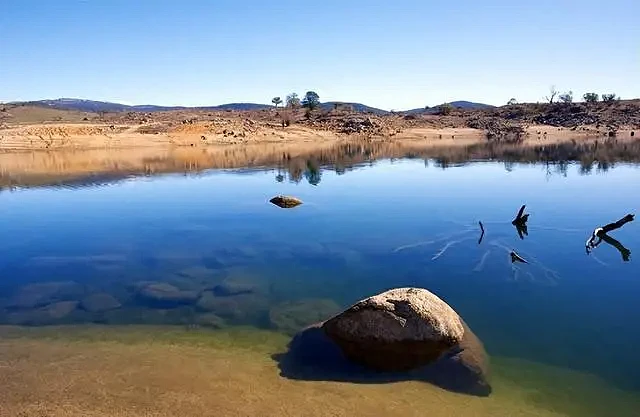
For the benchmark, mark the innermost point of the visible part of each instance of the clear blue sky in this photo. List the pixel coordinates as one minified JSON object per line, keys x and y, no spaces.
{"x":391,"y":54}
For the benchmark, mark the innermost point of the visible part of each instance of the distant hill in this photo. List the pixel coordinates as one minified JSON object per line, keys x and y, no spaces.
{"x":104,"y":106}
{"x":98,"y":106}
{"x":358,"y":107}
{"x":460,"y":104}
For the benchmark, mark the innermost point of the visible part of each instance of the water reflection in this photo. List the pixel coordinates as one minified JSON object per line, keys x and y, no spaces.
{"x":296,"y":162}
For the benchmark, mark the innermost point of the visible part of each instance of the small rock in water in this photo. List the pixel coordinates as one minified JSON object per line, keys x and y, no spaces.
{"x":284,"y":201}
{"x":398,"y":330}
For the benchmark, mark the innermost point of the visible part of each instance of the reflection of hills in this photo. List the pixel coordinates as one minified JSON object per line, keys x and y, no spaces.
{"x":297,"y":161}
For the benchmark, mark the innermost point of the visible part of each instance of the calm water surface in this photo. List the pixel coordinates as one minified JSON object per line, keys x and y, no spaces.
{"x":229,"y":257}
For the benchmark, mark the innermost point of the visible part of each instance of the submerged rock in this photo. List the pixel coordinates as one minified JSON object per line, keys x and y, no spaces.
{"x":99,"y":302}
{"x":40,"y":294}
{"x":284,"y":201}
{"x":50,"y":314}
{"x":237,"y":286}
{"x":398,"y":330}
{"x":290,"y":317}
{"x":241,"y":309}
{"x":163,"y":294}
{"x":209,"y":320}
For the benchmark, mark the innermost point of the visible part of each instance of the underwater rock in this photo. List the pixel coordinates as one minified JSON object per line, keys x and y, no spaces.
{"x":40,"y":294}
{"x":290,"y":317}
{"x":398,"y":330}
{"x":162,"y":294}
{"x":237,"y":286}
{"x":183,"y":315}
{"x":284,"y":201}
{"x":99,"y":302}
{"x":209,"y":320}
{"x":49,"y":314}
{"x":238,"y":309}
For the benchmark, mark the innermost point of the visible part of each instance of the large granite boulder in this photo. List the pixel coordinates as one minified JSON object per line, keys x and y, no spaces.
{"x":398,"y":330}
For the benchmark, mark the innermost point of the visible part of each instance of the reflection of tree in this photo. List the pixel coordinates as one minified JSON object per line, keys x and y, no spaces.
{"x":562,"y":167}
{"x":603,"y":166}
{"x":586,"y":166}
{"x":295,"y":174}
{"x":442,"y":163}
{"x":313,"y":173}
{"x":508,"y":166}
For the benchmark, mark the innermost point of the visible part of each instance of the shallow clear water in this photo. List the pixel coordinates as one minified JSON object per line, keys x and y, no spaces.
{"x":382,"y":225}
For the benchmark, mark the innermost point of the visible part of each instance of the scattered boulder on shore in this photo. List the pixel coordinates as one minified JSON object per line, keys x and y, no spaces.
{"x":398,"y":330}
{"x":99,"y":302}
{"x":284,"y":201}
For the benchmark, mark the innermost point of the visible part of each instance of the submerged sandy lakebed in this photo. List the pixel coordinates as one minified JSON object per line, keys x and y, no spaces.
{"x":169,"y":371}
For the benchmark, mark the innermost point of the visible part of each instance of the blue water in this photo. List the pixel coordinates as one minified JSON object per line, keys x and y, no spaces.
{"x":382,"y":225}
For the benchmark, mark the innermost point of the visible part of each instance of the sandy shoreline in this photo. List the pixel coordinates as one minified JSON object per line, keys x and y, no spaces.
{"x":96,"y":136}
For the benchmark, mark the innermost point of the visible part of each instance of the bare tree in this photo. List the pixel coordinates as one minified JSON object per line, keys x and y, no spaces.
{"x":552,"y":94}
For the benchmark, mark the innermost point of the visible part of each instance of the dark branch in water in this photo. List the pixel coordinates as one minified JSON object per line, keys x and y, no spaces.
{"x":521,"y":217}
{"x":613,"y":226}
{"x":520,"y":222}
{"x":600,"y":234}
{"x":482,"y":234}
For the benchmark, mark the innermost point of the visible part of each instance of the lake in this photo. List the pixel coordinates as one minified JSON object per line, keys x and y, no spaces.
{"x":207,"y":252}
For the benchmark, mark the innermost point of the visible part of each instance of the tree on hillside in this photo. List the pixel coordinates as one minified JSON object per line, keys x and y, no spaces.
{"x":445,"y":109}
{"x":293,"y":101}
{"x":512,"y":102}
{"x":276,"y":101}
{"x":609,"y":98}
{"x":552,"y":94}
{"x":566,"y":98}
{"x":591,"y":97}
{"x":311,"y":100}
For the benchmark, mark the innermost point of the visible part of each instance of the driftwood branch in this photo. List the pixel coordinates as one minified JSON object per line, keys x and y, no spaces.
{"x":600,"y":234}
{"x":481,"y":234}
